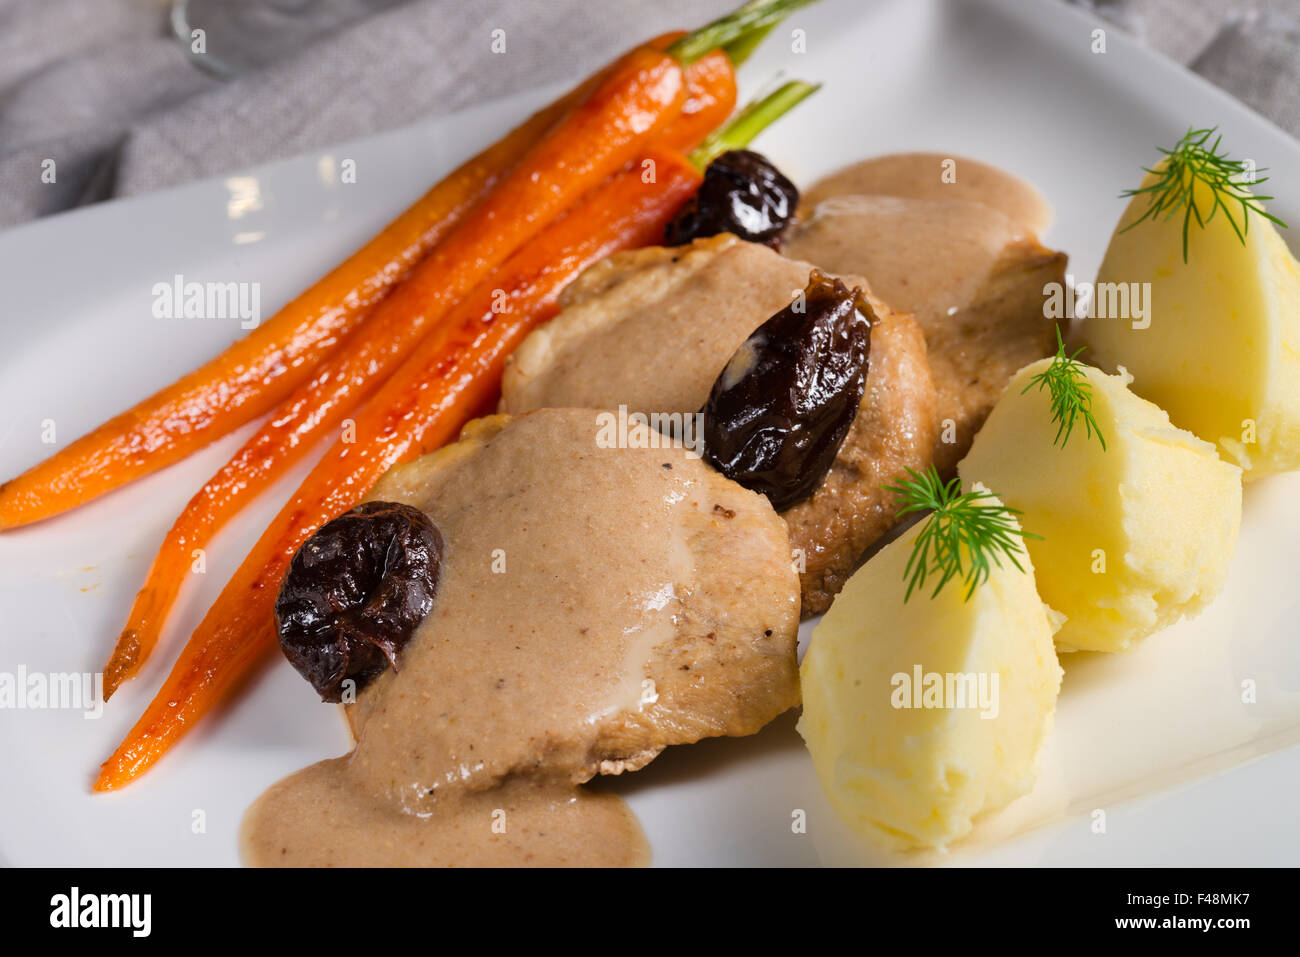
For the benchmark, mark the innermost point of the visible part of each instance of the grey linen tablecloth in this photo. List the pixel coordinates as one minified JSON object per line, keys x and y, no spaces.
{"x":104,"y":88}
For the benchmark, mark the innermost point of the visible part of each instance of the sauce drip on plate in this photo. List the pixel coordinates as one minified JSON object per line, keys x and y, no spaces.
{"x":595,"y":605}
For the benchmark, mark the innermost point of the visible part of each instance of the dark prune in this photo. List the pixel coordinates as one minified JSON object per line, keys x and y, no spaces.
{"x":742,"y":193}
{"x":355,"y":593}
{"x":779,"y":412}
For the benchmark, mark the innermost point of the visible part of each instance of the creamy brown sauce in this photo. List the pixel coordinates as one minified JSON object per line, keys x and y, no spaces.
{"x":962,"y":257}
{"x":926,"y":257}
{"x":938,"y":177}
{"x":578,"y":584}
{"x":652,"y":329}
{"x":320,"y":817}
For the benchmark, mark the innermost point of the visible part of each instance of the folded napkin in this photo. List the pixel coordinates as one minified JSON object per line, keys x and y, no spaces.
{"x":106,"y":90}
{"x":1251,"y":48}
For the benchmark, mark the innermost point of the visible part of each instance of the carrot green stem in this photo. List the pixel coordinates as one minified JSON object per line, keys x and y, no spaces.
{"x":754,"y":15}
{"x":752,"y":120}
{"x":739,"y":49}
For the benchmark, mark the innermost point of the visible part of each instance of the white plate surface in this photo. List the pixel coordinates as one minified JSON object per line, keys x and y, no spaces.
{"x":1158,"y":739}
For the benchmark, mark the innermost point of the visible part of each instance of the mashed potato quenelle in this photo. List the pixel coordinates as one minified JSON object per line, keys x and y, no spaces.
{"x":1220,"y":348}
{"x":1135,"y":535}
{"x":922,"y":715}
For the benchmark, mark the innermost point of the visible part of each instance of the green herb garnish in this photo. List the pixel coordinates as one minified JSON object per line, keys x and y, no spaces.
{"x":962,"y":537}
{"x":1071,"y":394}
{"x":1191,"y":162}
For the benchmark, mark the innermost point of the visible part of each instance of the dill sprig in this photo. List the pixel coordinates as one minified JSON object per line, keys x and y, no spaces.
{"x":1071,"y":394}
{"x":962,"y":537}
{"x":1191,"y":162}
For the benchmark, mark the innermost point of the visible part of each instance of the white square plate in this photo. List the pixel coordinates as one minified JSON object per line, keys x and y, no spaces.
{"x":1159,"y":739}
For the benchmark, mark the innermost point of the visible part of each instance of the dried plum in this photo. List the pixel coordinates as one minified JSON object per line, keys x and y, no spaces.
{"x":742,"y":193}
{"x":355,"y":593}
{"x":778,"y":413}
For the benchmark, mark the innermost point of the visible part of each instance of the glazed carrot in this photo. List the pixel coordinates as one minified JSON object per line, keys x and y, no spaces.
{"x":257,"y":372}
{"x":260,"y":370}
{"x":710,"y":98}
{"x":317,"y":408}
{"x":452,"y":374}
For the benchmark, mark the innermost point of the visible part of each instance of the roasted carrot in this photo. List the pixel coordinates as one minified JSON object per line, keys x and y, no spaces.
{"x":260,"y":370}
{"x":256,"y":373}
{"x":450,"y":376}
{"x":317,"y":408}
{"x":710,"y":98}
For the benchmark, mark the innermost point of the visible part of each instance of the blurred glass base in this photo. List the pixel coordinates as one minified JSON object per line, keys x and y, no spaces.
{"x":241,"y":35}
